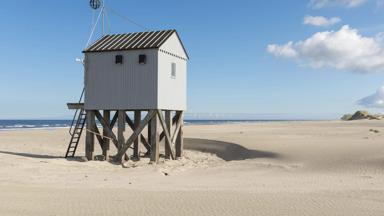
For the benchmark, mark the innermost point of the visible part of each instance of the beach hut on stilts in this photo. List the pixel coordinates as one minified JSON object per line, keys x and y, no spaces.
{"x":135,"y":80}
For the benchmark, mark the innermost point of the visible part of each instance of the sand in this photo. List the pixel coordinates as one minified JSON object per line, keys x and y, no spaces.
{"x":280,"y":168}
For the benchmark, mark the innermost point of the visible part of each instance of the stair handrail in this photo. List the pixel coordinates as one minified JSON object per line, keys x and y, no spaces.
{"x":75,"y":116}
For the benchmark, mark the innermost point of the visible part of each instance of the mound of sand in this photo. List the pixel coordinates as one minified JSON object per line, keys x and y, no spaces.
{"x":361,"y":115}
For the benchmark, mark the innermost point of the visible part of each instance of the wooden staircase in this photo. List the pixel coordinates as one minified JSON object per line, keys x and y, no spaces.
{"x":77,"y":126}
{"x":76,"y":131}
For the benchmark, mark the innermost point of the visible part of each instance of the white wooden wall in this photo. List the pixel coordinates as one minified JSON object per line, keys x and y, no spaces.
{"x":172,"y":92}
{"x":112,"y":86}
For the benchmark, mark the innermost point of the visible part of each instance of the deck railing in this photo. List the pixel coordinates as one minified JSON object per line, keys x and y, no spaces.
{"x":76,"y":115}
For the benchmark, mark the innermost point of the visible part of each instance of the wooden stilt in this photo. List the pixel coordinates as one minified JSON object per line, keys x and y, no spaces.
{"x":121,"y":129}
{"x":168,"y":138}
{"x":149,"y":136}
{"x":168,"y":123}
{"x":106,"y":141}
{"x":154,"y":139}
{"x":137,"y":121}
{"x":180,"y":135}
{"x":90,"y":137}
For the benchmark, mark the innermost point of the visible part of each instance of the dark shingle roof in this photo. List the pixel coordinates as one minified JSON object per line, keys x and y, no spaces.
{"x":139,"y":40}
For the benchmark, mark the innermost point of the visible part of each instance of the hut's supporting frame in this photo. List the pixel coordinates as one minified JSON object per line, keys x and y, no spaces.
{"x":172,"y":133}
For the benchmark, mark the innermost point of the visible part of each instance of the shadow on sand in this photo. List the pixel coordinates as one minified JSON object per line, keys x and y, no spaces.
{"x":39,"y":156}
{"x":30,"y":155}
{"x":226,"y":150}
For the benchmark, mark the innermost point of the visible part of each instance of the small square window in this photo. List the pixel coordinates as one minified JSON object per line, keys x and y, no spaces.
{"x":173,"y":72}
{"x":119,"y":59}
{"x":142,"y":59}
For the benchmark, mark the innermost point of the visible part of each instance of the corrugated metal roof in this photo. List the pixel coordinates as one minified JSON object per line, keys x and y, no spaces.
{"x":138,"y":40}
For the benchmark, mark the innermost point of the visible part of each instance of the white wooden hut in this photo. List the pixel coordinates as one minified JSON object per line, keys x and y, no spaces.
{"x":137,"y":71}
{"x":144,"y":72}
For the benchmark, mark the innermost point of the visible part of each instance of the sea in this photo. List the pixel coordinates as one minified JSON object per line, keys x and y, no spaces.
{"x":52,"y":124}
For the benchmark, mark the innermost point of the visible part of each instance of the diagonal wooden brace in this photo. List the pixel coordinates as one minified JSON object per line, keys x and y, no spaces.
{"x":167,"y":136}
{"x":114,"y":120}
{"x":142,"y":138}
{"x":175,"y":119}
{"x":177,"y":129}
{"x":98,"y":136}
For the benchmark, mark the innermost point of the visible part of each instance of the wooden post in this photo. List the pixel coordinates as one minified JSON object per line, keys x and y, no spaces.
{"x":121,"y":129}
{"x":106,"y":141}
{"x":180,"y":136}
{"x":168,"y":122}
{"x":154,"y":140}
{"x":137,"y":121}
{"x":149,"y":136}
{"x":90,"y":137}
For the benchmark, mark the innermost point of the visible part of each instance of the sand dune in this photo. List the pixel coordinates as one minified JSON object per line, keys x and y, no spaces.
{"x":289,"y":168}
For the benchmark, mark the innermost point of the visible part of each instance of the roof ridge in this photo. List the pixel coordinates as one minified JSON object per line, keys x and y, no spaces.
{"x":174,"y":30}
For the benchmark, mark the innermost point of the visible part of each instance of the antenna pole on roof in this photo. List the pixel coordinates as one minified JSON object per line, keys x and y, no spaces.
{"x":103,"y":19}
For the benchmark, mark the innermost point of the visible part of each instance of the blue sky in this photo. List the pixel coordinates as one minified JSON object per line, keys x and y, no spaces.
{"x":232,"y":71}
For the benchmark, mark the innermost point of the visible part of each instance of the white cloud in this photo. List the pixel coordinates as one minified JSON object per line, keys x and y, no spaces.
{"x":345,"y":3}
{"x":320,"y":21}
{"x":375,"y":100}
{"x":344,"y":49}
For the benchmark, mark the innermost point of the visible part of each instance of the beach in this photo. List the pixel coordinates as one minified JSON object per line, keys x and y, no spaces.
{"x":264,"y":168}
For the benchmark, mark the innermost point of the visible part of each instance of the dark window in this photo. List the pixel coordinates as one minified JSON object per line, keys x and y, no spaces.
{"x":119,"y":59}
{"x":142,"y":59}
{"x":173,"y":70}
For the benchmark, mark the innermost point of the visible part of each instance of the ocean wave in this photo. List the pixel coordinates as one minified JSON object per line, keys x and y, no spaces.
{"x":33,"y":124}
{"x":55,"y":124}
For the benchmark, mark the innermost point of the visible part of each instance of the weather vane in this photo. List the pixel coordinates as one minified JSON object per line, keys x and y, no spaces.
{"x":95,"y":4}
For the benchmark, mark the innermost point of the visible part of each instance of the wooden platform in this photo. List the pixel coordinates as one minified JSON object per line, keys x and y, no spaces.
{"x":75,"y":106}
